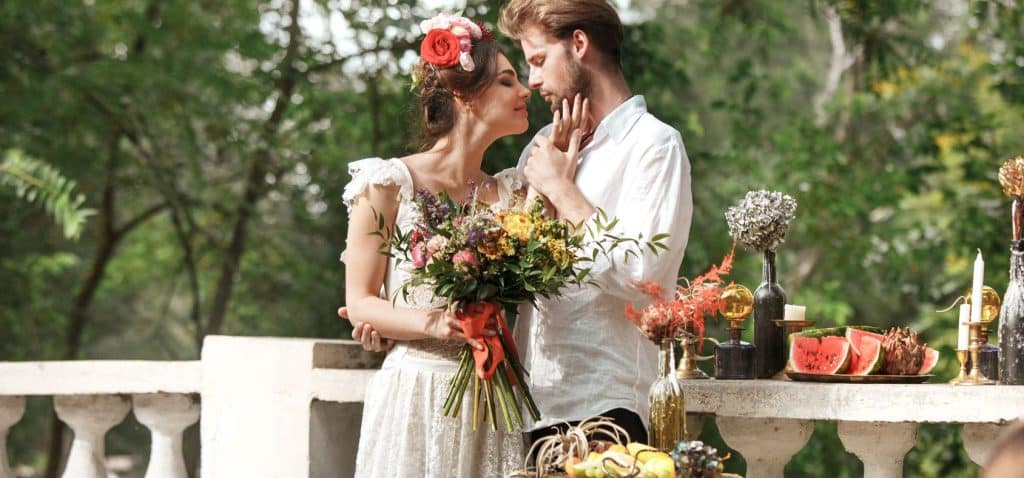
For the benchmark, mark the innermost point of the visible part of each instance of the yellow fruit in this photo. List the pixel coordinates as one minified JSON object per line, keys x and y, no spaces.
{"x":618,"y":449}
{"x":661,"y":467}
{"x":570,"y":467}
{"x":635,"y":449}
{"x":618,"y":464}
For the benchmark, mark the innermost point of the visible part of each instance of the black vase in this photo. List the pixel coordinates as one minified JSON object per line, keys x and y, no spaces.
{"x":769,"y":339}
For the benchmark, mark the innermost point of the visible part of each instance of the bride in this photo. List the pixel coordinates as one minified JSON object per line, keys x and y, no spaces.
{"x":470,"y":96}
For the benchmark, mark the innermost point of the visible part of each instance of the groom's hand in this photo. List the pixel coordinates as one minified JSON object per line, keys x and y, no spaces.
{"x":365,"y":334}
{"x":553,"y":173}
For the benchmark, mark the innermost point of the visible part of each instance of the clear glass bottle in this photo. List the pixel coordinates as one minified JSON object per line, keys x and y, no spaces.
{"x":1011,"y":320}
{"x":668,"y":410}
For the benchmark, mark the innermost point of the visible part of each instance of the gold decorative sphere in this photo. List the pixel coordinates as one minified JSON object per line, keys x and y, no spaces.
{"x":739,"y":302}
{"x":989,"y":303}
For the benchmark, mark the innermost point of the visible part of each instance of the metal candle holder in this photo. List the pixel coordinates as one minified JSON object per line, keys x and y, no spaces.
{"x":974,"y":376}
{"x":735,"y":359}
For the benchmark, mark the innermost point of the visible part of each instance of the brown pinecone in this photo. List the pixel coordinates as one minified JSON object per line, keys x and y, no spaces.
{"x":904,"y":352}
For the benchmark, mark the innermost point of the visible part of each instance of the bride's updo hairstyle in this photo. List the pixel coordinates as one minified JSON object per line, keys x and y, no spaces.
{"x":458,"y":59}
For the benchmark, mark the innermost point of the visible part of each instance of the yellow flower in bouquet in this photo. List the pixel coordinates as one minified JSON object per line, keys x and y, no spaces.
{"x":517,"y":224}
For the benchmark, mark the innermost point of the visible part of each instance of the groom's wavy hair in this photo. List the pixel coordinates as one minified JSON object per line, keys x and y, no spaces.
{"x":439,"y":87}
{"x":597,"y":18}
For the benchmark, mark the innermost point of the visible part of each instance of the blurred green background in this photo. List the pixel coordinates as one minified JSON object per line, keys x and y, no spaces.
{"x":172,"y":169}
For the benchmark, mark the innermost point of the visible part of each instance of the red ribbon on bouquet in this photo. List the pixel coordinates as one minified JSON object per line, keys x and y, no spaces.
{"x":474,"y":318}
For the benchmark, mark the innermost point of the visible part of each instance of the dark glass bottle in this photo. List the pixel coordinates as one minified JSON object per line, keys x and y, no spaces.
{"x":1011,"y":320}
{"x":769,"y":339}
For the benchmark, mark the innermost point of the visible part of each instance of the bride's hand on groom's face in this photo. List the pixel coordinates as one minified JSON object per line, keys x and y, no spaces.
{"x":569,"y":119}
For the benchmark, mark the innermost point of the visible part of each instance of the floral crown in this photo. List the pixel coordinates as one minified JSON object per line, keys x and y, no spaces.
{"x":449,"y":41}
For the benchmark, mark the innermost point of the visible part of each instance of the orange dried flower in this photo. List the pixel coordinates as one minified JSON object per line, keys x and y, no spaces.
{"x":685,"y":312}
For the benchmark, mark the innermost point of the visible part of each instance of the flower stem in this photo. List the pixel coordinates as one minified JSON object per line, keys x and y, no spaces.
{"x":476,"y":401}
{"x":520,"y":373}
{"x":458,"y":382}
{"x":502,"y":400}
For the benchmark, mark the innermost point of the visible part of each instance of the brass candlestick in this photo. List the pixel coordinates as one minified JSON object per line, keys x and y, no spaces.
{"x":687,"y":369}
{"x":974,"y":377}
{"x":793,"y":326}
{"x":961,"y":355}
{"x":989,"y":354}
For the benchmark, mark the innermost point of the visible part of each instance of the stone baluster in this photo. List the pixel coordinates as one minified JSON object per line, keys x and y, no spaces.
{"x":766,"y":444}
{"x":11,"y":410}
{"x":166,"y":415}
{"x":978,"y":440}
{"x":880,"y":446}
{"x":90,"y":417}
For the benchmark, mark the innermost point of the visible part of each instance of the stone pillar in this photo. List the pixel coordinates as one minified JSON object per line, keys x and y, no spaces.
{"x":766,"y":444}
{"x":978,"y":440}
{"x":166,"y":415}
{"x":11,"y":410}
{"x":881,"y":446}
{"x":90,"y":417}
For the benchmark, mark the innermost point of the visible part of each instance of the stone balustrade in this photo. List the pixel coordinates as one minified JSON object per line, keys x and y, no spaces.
{"x":292,"y":407}
{"x":92,"y":397}
{"x":769,"y":421}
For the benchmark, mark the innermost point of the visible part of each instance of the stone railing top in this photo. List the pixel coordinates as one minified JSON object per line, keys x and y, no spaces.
{"x":84,"y":377}
{"x":933,"y":403}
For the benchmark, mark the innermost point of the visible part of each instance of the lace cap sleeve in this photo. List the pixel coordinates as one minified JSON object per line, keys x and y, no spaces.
{"x":376,"y":171}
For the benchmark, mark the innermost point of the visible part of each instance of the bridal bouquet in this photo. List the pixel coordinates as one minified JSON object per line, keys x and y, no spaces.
{"x":484,"y":262}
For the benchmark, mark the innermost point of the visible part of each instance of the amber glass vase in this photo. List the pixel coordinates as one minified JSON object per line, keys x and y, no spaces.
{"x":668,"y":411}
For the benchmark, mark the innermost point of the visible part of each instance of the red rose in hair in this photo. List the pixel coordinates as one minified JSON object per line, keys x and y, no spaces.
{"x":440,"y":48}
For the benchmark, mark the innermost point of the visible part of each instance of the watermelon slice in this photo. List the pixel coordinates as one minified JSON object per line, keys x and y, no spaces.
{"x":867,"y":357}
{"x":931,"y":358}
{"x":827,"y":355}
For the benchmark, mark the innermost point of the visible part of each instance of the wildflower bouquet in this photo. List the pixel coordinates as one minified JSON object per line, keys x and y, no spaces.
{"x":484,"y":262}
{"x":685,"y":312}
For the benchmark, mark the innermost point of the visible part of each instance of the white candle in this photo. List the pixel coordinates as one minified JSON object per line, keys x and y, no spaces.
{"x":976,"y":286}
{"x":963,"y":332}
{"x":794,"y":312}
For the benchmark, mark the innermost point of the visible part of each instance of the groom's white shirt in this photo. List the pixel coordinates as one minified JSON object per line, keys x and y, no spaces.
{"x":583,"y":355}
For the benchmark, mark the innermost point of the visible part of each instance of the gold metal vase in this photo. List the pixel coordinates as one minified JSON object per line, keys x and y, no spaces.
{"x":687,"y":369}
{"x":668,"y":411}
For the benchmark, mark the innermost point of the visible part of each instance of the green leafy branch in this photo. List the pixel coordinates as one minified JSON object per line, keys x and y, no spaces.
{"x":37,"y":182}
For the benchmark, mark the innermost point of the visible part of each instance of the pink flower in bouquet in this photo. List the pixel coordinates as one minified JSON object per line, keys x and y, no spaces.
{"x":465,"y":259}
{"x":419,"y":255}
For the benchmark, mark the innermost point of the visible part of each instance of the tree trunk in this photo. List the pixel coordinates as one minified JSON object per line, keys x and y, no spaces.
{"x":255,"y":183}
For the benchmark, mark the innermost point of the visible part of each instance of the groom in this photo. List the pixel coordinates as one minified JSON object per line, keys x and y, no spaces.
{"x":584,"y":357}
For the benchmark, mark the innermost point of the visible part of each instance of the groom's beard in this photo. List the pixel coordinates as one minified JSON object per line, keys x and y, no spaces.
{"x":578,"y":82}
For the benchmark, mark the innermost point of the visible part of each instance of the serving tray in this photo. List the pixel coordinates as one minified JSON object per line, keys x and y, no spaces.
{"x":845,"y":378}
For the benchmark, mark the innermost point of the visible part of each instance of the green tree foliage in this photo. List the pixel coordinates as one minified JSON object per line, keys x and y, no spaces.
{"x":37,"y":182}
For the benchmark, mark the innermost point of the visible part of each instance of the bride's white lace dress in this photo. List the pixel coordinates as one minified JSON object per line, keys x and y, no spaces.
{"x":404,"y":432}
